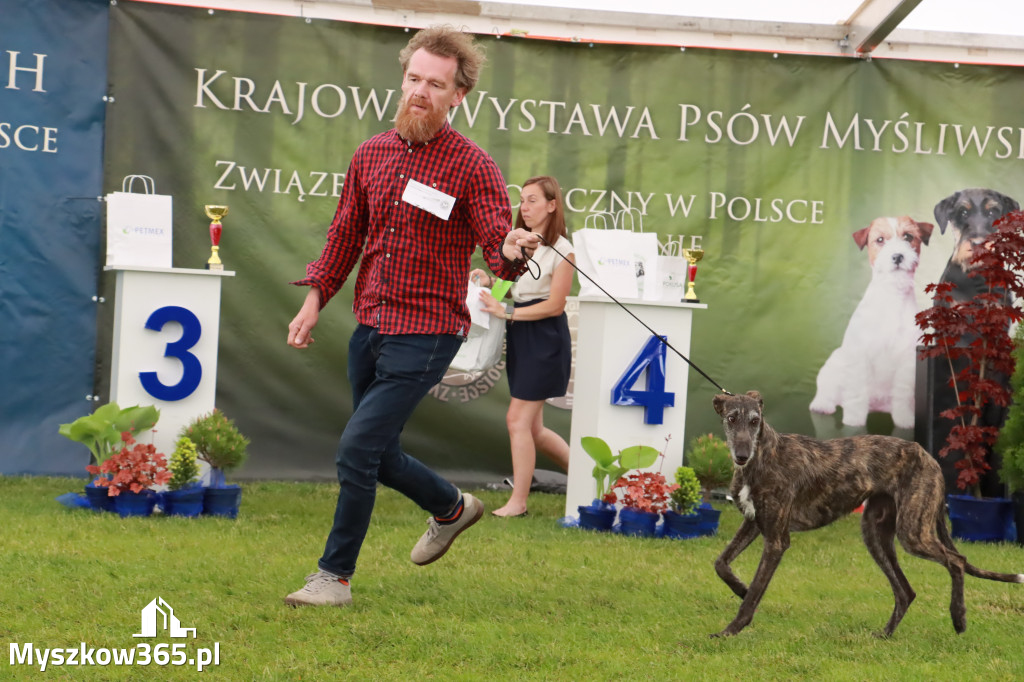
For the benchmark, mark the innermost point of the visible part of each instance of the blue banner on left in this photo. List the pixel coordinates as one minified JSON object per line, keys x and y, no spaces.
{"x":53,"y":74}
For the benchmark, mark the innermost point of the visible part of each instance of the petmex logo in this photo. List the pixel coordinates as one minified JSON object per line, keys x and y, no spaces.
{"x":141,"y":230}
{"x":602,"y":261}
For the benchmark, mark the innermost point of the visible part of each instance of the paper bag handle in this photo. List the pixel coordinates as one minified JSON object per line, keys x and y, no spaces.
{"x":148,"y":186}
{"x":618,"y":220}
{"x":673,"y":246}
{"x":633,"y":221}
{"x":603,"y":216}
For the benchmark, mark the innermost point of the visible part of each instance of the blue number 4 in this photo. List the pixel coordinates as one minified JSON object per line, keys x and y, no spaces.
{"x":654,"y":398}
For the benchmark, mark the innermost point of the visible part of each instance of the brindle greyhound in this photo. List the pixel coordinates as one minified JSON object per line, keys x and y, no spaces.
{"x":786,"y":482}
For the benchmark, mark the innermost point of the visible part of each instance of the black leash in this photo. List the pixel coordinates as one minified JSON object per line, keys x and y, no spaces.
{"x":661,"y":338}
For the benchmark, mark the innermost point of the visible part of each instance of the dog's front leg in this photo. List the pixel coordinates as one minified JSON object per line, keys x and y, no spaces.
{"x":746,"y":534}
{"x":775,"y":546}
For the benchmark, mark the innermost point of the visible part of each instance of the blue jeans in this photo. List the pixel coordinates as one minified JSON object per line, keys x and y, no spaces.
{"x":390,"y":374}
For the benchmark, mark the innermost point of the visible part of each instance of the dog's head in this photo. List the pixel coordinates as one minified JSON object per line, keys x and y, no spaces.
{"x":741,"y":418}
{"x":897,"y":240}
{"x":970,"y":213}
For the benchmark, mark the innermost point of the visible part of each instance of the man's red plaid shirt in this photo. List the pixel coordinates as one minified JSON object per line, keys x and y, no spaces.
{"x":415,"y":265}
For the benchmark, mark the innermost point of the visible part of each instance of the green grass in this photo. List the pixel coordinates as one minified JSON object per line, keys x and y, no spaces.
{"x":515,"y":599}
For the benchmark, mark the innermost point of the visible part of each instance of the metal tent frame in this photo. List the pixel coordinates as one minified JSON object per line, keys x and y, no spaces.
{"x":871,"y":31}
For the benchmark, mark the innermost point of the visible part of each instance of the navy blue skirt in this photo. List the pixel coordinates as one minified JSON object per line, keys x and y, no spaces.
{"x":538,"y":356}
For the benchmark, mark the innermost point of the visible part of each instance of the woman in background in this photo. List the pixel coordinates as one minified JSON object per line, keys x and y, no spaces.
{"x":538,"y":345}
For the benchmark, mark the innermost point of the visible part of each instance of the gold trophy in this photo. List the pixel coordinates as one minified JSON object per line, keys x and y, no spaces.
{"x":692,"y":256}
{"x":215,"y":213}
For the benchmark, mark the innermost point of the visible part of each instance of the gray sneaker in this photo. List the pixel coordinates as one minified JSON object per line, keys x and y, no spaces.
{"x":439,"y":537}
{"x":322,"y":589}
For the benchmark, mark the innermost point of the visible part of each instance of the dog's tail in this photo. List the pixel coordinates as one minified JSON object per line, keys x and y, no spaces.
{"x":992,"y":575}
{"x":971,"y":569}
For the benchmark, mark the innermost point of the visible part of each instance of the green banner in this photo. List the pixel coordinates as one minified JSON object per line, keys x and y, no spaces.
{"x":774,"y":161}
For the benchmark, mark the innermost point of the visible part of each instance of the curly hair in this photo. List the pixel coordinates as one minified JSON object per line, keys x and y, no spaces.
{"x":448,"y":41}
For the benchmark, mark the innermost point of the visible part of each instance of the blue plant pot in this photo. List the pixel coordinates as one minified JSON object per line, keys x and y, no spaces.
{"x":597,"y":516}
{"x":1018,"y":517}
{"x":681,"y":526}
{"x":135,"y":504}
{"x":986,"y":520}
{"x":222,"y":501}
{"x":99,"y":498}
{"x":638,"y":523}
{"x":708,"y":519}
{"x":184,"y":502}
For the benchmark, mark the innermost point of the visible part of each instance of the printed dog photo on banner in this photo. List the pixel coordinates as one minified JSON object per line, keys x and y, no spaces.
{"x":970,"y":215}
{"x":873,"y":370}
{"x":965,"y":218}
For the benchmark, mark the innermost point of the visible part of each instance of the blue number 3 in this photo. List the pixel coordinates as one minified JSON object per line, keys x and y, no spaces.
{"x":655,"y":398}
{"x":191,"y":330}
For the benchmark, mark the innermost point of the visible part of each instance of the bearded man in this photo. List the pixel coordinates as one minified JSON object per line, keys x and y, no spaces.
{"x":416,"y":202}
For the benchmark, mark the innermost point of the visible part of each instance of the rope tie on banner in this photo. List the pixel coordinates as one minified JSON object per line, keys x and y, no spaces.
{"x":661,"y":338}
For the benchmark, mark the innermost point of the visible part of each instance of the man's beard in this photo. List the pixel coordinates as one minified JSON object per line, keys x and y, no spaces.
{"x":416,"y":128}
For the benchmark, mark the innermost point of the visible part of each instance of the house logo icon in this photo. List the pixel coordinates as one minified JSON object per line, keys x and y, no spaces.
{"x":159,"y":613}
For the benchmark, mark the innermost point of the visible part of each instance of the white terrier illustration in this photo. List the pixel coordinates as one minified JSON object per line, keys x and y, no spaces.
{"x":874,"y":368}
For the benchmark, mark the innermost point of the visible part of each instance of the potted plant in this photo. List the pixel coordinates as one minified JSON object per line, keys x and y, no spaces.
{"x":709,"y":457}
{"x":101,"y":433}
{"x":130,"y":474}
{"x":1010,"y":444}
{"x":220,"y":444}
{"x":184,"y":495}
{"x":644,"y":495}
{"x":682,"y":520}
{"x":712,"y":465}
{"x":973,"y":337}
{"x":608,"y":467}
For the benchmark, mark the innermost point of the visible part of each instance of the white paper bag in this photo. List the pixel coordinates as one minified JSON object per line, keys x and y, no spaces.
{"x":139,"y":225}
{"x":618,"y":259}
{"x":669,"y":286}
{"x":645,"y":252}
{"x":483,"y":345}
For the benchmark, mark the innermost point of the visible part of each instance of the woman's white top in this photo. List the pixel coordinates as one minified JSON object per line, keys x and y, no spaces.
{"x":526,"y":287}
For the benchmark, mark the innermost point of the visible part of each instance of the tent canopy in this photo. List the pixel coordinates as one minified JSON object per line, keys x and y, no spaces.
{"x":979,"y":31}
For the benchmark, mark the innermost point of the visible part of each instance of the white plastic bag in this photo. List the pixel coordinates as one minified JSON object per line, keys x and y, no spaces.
{"x":139,"y":225}
{"x":486,"y":338}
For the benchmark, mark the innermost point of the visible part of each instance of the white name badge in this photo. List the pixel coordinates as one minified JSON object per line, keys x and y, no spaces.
{"x":429,"y":199}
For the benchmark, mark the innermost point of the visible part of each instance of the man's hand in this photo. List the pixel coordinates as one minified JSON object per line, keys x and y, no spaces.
{"x":300,"y":327}
{"x":519,"y":244}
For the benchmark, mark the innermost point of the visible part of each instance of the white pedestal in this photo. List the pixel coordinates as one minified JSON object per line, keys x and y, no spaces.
{"x":608,"y":339}
{"x":166,"y":330}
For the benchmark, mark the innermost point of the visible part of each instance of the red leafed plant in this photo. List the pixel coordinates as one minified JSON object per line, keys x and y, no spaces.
{"x":136,"y":467}
{"x":642,"y":490}
{"x":977,"y":330}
